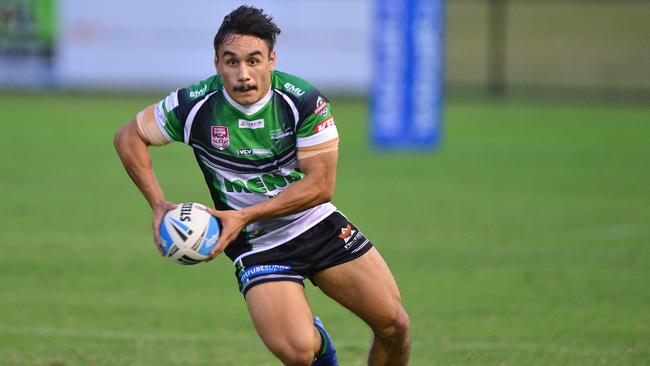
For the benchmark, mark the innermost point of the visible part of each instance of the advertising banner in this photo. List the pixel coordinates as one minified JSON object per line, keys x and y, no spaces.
{"x":27,"y":42}
{"x":407,"y":82}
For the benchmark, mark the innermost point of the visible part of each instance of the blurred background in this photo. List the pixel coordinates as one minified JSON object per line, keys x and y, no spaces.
{"x":583,"y":47}
{"x":523,"y":237}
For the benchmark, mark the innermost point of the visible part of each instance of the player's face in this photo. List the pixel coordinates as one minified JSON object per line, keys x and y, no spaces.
{"x":245,"y":64}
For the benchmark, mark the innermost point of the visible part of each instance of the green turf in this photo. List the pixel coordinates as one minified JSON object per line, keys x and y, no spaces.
{"x":524,"y":240}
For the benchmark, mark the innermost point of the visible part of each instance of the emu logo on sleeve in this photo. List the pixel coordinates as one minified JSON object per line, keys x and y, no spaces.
{"x":220,"y":137}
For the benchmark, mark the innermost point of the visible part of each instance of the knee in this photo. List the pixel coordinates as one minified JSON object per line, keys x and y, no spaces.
{"x":297,"y":354}
{"x":395,"y":327}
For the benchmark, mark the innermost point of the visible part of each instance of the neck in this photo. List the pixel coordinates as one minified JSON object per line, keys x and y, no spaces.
{"x":249,"y":109}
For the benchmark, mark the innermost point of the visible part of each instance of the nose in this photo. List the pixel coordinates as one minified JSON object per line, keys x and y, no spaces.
{"x":242,"y":73}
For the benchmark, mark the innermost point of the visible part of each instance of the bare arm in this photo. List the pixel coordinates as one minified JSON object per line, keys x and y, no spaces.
{"x":315,"y":188}
{"x":132,"y":147}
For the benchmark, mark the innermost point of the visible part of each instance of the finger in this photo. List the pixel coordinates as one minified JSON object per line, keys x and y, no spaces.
{"x":214,"y":254}
{"x":218,"y":249}
{"x":160,"y":249}
{"x":157,"y":242}
{"x":212,"y":211}
{"x":156,"y":237}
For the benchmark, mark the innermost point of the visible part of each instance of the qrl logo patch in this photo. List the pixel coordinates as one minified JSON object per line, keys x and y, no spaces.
{"x":220,"y":137}
{"x":321,"y":107}
{"x":323,"y":125}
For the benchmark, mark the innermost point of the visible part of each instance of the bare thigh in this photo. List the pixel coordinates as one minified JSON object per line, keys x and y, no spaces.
{"x":366,"y":287}
{"x":281,"y":315}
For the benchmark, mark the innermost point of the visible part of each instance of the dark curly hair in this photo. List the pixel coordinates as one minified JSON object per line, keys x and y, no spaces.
{"x":250,"y":21}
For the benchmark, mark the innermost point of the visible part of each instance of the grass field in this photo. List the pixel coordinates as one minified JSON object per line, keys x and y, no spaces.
{"x":524,"y":240}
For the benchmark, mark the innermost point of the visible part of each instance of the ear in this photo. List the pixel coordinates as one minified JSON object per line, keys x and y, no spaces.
{"x":216,"y":63}
{"x":272,"y":60}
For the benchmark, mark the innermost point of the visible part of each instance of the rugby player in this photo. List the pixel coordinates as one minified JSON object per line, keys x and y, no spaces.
{"x":267,"y":142}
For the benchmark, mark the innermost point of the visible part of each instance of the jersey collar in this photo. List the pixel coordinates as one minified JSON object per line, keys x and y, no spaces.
{"x":249,"y":109}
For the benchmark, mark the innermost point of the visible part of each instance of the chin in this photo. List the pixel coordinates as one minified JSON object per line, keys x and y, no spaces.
{"x":246,"y":100}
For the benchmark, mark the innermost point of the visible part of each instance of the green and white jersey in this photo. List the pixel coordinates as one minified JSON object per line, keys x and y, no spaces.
{"x":248,"y":153}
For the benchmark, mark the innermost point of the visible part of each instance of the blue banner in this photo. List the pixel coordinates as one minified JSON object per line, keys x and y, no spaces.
{"x":408,"y":76}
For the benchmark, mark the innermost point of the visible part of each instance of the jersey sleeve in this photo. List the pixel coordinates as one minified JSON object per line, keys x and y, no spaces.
{"x":171,"y":112}
{"x":316,"y":126}
{"x":167,"y":113}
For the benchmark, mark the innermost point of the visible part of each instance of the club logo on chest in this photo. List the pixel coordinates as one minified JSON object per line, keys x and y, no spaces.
{"x":220,"y":137}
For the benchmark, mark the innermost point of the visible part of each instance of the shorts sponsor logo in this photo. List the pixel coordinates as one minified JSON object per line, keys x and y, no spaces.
{"x":293,"y":89}
{"x":346,"y":233}
{"x":258,"y":123}
{"x":262,"y":269}
{"x":321,"y":107}
{"x":220,"y":137}
{"x":350,"y":236}
{"x":255,"y":152}
{"x":323,"y":125}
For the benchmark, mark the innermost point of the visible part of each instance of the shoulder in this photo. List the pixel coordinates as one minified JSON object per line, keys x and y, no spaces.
{"x":202,"y":88}
{"x":301,"y":93}
{"x":172,"y":112}
{"x":184,"y":99}
{"x":292,"y":85}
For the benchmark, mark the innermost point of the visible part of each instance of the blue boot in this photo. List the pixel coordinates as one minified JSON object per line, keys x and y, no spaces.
{"x":327,"y":354}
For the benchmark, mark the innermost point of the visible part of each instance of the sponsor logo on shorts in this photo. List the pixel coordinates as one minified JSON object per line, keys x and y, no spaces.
{"x":346,"y":232}
{"x":220,"y":137}
{"x":261,"y":269}
{"x":350,"y":236}
{"x":323,"y":125}
{"x":258,"y":123}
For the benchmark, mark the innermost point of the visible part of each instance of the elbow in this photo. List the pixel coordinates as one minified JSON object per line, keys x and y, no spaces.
{"x":321,"y":188}
{"x":325,"y":194}
{"x":118,"y":137}
{"x":126,"y":136}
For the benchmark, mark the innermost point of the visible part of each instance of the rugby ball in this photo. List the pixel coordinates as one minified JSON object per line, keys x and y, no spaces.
{"x":188,"y":233}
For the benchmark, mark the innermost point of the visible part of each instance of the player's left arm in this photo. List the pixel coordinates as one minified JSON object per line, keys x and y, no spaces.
{"x":317,"y":187}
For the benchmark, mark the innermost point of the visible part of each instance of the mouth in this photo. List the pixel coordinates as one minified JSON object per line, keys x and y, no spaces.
{"x":245,"y":88}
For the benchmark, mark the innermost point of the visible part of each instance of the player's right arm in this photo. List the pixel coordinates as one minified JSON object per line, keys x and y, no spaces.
{"x":132,"y":143}
{"x":158,"y":124}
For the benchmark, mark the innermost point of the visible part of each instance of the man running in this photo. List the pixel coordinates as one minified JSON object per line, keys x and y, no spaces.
{"x":267,"y":142}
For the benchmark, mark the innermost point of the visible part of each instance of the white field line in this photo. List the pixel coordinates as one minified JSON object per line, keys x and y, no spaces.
{"x":533,"y":347}
{"x":106,"y":334}
{"x":194,"y":337}
{"x":614,"y":232}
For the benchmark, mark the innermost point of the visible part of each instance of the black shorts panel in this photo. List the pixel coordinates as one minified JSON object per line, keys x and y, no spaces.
{"x":333,"y":241}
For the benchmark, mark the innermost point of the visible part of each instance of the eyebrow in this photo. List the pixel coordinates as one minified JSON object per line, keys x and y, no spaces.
{"x":251,"y":54}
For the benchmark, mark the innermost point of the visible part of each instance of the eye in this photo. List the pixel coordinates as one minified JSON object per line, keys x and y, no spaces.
{"x":231,"y":62}
{"x":254,"y":61}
